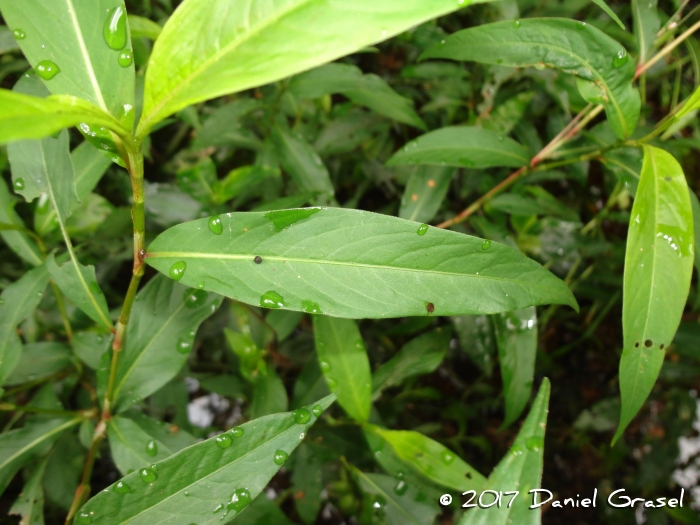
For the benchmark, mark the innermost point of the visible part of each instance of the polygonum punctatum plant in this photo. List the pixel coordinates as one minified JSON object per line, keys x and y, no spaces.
{"x":171,"y":343}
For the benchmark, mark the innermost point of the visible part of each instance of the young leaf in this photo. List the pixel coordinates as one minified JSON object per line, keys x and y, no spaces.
{"x":419,"y":356}
{"x":597,"y":60}
{"x":344,"y":362}
{"x":520,"y":469}
{"x":80,"y":48}
{"x":646,"y":25}
{"x":610,"y":12}
{"x":307,"y":480}
{"x":19,"y":300}
{"x":18,"y":241}
{"x":692,"y":104}
{"x":269,"y":395}
{"x":208,"y":48}
{"x":352,"y":264}
{"x":424,"y":193}
{"x":39,"y":361}
{"x":30,"y":504}
{"x":300,"y":160}
{"x":131,"y":447}
{"x":209,"y":482}
{"x":366,"y":90}
{"x":462,"y":147}
{"x":516,"y":335}
{"x":429,"y":458}
{"x":159,"y":337}
{"x":658,"y":269}
{"x":20,"y":446}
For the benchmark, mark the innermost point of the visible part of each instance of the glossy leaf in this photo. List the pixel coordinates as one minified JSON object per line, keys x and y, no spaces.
{"x":21,"y":446}
{"x":692,"y":104}
{"x":366,"y":90}
{"x":344,"y":363}
{"x":307,"y":480}
{"x":30,"y":504}
{"x":424,"y":193}
{"x":19,"y":300}
{"x":39,"y":361}
{"x":462,"y":146}
{"x":205,"y":481}
{"x":141,"y":27}
{"x":71,"y":35}
{"x":269,"y":395}
{"x":208,"y":49}
{"x":658,"y":269}
{"x":646,"y":25}
{"x":430,"y":459}
{"x":353,"y":264}
{"x":605,"y":7}
{"x":304,"y":165}
{"x":132,"y":448}
{"x":159,"y":337}
{"x":419,"y":356}
{"x":18,"y":241}
{"x":516,"y":336}
{"x":520,"y":469}
{"x":602,"y":64}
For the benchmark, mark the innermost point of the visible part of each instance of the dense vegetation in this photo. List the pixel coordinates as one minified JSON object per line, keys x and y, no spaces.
{"x":323,"y":262}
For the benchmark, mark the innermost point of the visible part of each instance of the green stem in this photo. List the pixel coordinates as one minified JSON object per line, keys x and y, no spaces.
{"x":10,"y":407}
{"x":667,"y":49}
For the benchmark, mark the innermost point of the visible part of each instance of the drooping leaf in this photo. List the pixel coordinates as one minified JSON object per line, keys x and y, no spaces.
{"x":19,"y":300}
{"x":141,"y":27}
{"x":304,"y":165}
{"x":516,"y":336}
{"x":646,"y":25}
{"x":84,"y":43}
{"x":424,"y":193}
{"x":605,"y":7}
{"x":215,"y":478}
{"x":307,"y":480}
{"x":520,"y":469}
{"x":20,"y":446}
{"x":30,"y":504}
{"x":159,"y":337}
{"x":18,"y":241}
{"x":602,"y":65}
{"x":462,"y":146}
{"x":132,"y":448}
{"x":344,"y":363}
{"x":658,"y":268}
{"x":352,"y":264}
{"x":419,"y":356}
{"x":430,"y":459}
{"x":39,"y":361}
{"x":366,"y":90}
{"x":269,"y":395}
{"x":208,"y":49}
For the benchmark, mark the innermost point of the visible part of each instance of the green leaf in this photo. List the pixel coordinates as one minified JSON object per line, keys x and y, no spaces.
{"x":71,"y":35}
{"x":462,"y":146}
{"x":658,"y":269}
{"x":197,"y":180}
{"x":366,"y":90}
{"x":141,"y":27}
{"x":8,"y":42}
{"x":610,"y":12}
{"x":692,"y":104}
{"x":40,"y":361}
{"x":695,"y":204}
{"x":269,"y":395}
{"x":424,"y":193}
{"x":264,"y":510}
{"x":352,"y":264}
{"x":250,"y":357}
{"x":344,"y":363}
{"x":159,"y":337}
{"x":89,"y":347}
{"x":19,"y":300}
{"x":18,"y":241}
{"x":477,"y":339}
{"x":208,"y":49}
{"x":21,"y":446}
{"x":310,"y":385}
{"x":241,"y":179}
{"x":224,"y":127}
{"x":307,"y":480}
{"x":300,"y":160}
{"x":430,"y":459}
{"x":646,"y":26}
{"x":132,"y":448}
{"x":393,"y":503}
{"x":204,"y":482}
{"x":520,"y":469}
{"x":173,"y":437}
{"x":601,"y":63}
{"x":516,"y":336}
{"x":30,"y":504}
{"x":419,"y":356}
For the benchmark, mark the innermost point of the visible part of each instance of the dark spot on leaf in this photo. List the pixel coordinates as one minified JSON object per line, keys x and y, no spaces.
{"x":668,"y":179}
{"x":469,"y":475}
{"x":648,"y":343}
{"x":258,"y":259}
{"x":662,"y":346}
{"x":636,"y":345}
{"x":430,"y":307}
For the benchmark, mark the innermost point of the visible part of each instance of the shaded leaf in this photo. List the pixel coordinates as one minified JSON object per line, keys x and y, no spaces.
{"x":132,"y":448}
{"x":304,"y":165}
{"x":646,"y":25}
{"x":610,"y":12}
{"x":269,"y":395}
{"x":141,"y":27}
{"x":90,"y":346}
{"x":424,"y":193}
{"x":307,"y":480}
{"x":30,"y":504}
{"x":224,"y":127}
{"x":310,"y":386}
{"x":18,"y":241}
{"x":39,"y":361}
{"x":477,"y":339}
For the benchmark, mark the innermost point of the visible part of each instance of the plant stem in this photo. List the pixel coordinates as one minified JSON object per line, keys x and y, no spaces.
{"x":666,"y":50}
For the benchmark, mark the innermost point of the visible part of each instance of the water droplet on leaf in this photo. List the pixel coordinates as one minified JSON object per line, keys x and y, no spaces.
{"x":620,"y":59}
{"x":301,"y":416}
{"x":183,"y":347}
{"x":325,"y":366}
{"x":223,"y":440}
{"x":152,"y":448}
{"x":239,"y":501}
{"x":516,"y":24}
{"x":122,"y":488}
{"x":317,"y":410}
{"x":486,"y":244}
{"x":237,"y":432}
{"x":195,"y":298}
{"x":422,"y":229}
{"x":271,"y":299}
{"x":115,"y":28}
{"x":401,"y":488}
{"x":83,"y":518}
{"x":535,"y":443}
{"x":147,"y":475}
{"x":19,"y":184}
{"x":200,"y":285}
{"x":19,"y":34}
{"x":215,"y":225}
{"x":126,"y":58}
{"x":47,"y":69}
{"x":311,"y":307}
{"x":177,"y":270}
{"x":280,"y":457}
{"x":447,"y":457}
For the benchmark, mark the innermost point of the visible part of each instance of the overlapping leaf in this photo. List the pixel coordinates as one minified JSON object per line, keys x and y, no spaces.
{"x":424,"y":193}
{"x":19,"y":241}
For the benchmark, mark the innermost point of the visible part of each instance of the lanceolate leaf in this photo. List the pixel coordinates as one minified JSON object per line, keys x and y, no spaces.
{"x":269,"y":395}
{"x":430,"y":459}
{"x":516,"y":335}
{"x":209,"y":482}
{"x":84,"y":42}
{"x":300,"y":160}
{"x":424,"y":193}
{"x":19,"y":242}
{"x":30,"y":504}
{"x":462,"y":147}
{"x":646,"y":25}
{"x":520,"y":469}
{"x":606,"y":8}
{"x":351,"y":264}
{"x":39,"y":361}
{"x":307,"y":480}
{"x":691,"y":104}
{"x":19,"y":447}
{"x":658,"y":268}
{"x":141,"y":27}
{"x":574,"y":47}
{"x":19,"y":300}
{"x":159,"y":337}
{"x":211,"y":48}
{"x":132,"y":448}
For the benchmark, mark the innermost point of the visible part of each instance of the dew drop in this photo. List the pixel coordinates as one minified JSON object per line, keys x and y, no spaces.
{"x":401,"y":487}
{"x":215,"y":225}
{"x":581,"y":26}
{"x":122,"y":488}
{"x":147,"y":475}
{"x":19,"y":34}
{"x":535,"y":443}
{"x":620,"y":59}
{"x":239,"y":501}
{"x":126,"y":58}
{"x":499,"y":61}
{"x":195,"y":298}
{"x":19,"y":184}
{"x":177,"y":270}
{"x":331,"y":384}
{"x":115,"y":28}
{"x":447,"y":457}
{"x":516,"y":450}
{"x":83,"y":518}
{"x":237,"y":432}
{"x":486,"y":244}
{"x":271,"y":299}
{"x":317,"y":410}
{"x":280,"y":457}
{"x":152,"y":448}
{"x":183,"y":347}
{"x":311,"y":307}
{"x":422,"y":229}
{"x":516,"y":24}
{"x":200,"y":285}
{"x":302,"y":416}
{"x":325,"y":366}
{"x":47,"y":69}
{"x":223,"y":440}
